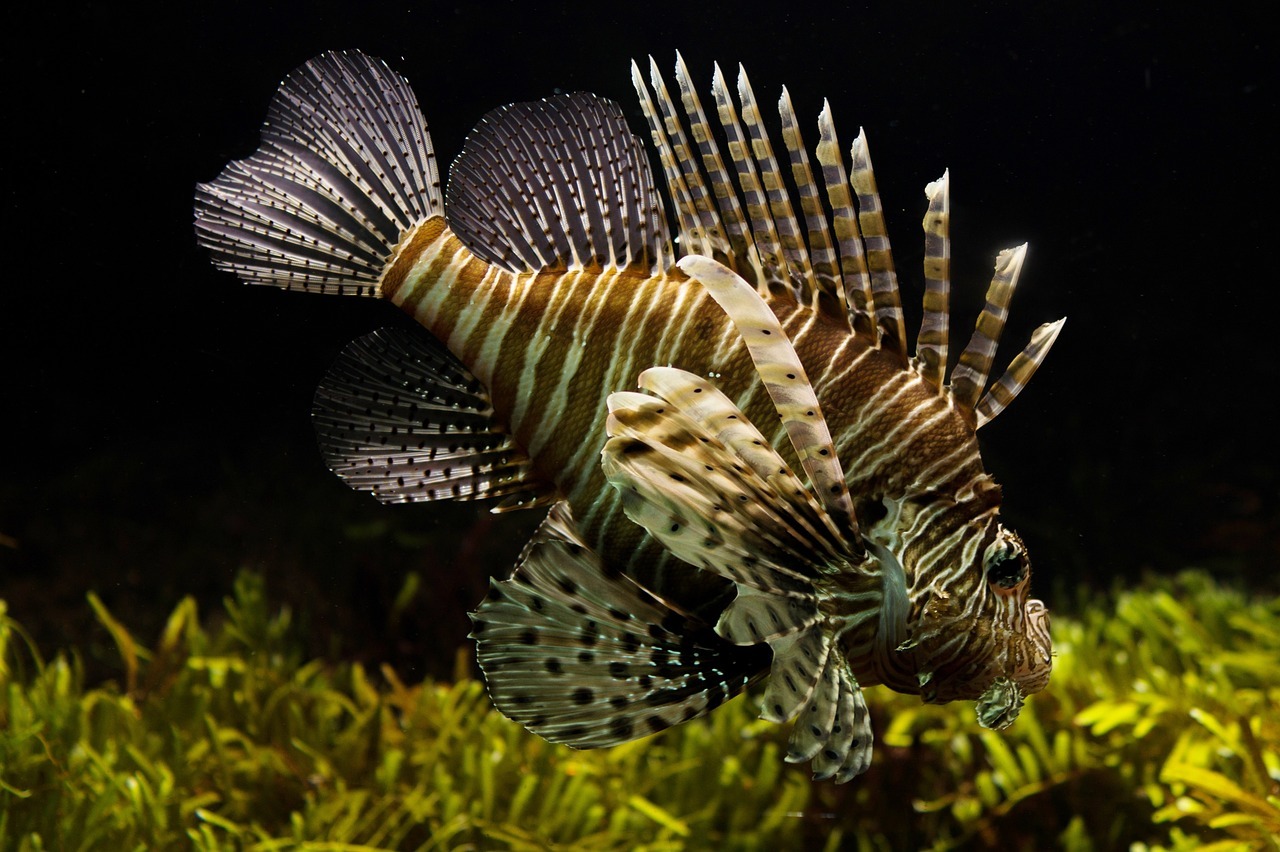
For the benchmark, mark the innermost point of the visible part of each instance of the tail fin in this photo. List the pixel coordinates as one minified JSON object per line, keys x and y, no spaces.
{"x":344,"y":169}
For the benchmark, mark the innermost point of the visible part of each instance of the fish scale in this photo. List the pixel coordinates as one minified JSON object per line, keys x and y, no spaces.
{"x":682,"y":558}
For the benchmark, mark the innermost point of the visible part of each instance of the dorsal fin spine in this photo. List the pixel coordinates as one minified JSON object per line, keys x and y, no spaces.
{"x":799,"y":273}
{"x":932,"y":341}
{"x":763,"y":230}
{"x":825,"y":259}
{"x":1020,"y":371}
{"x":970,"y":375}
{"x":856,"y":280}
{"x":703,"y":231}
{"x":735,"y":225}
{"x":677,"y":186}
{"x":875,"y":238}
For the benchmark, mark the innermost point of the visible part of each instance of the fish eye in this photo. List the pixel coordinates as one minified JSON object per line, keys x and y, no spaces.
{"x":1007,"y":563}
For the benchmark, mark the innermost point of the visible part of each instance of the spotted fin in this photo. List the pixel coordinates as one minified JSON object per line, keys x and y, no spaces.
{"x":784,"y":377}
{"x":399,"y":417}
{"x":846,"y":751}
{"x":695,"y":473}
{"x":560,"y":182}
{"x":750,"y":522}
{"x":587,"y":658}
{"x":832,"y":725}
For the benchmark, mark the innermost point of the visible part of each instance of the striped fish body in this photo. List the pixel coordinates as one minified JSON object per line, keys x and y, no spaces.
{"x":551,"y":346}
{"x":792,"y":495}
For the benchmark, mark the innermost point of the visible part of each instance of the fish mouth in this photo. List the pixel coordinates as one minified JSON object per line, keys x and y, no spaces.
{"x":1038,"y":629}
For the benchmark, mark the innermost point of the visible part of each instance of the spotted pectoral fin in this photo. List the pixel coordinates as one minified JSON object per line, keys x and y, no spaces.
{"x":794,"y":678}
{"x":782,"y":374}
{"x":587,"y":658}
{"x":695,"y":473}
{"x":718,"y":498}
{"x":398,"y":416}
{"x":754,"y":616}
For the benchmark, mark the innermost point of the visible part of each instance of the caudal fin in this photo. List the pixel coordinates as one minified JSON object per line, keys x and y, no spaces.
{"x":344,"y":169}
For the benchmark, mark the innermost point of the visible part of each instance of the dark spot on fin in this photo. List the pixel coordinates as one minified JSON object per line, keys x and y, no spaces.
{"x":609,"y":682}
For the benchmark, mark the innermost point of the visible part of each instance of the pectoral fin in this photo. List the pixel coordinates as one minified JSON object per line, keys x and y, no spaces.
{"x":695,"y":473}
{"x":585,"y":657}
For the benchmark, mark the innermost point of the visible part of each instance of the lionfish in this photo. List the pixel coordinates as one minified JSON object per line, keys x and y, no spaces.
{"x":791,"y":493}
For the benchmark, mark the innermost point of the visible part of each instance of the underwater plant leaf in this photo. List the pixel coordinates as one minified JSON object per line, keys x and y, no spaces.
{"x":658,"y":815}
{"x":1220,"y":787}
{"x":130,"y":651}
{"x":236,"y":741}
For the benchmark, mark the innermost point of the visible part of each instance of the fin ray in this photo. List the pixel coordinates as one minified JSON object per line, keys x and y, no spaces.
{"x":557,"y":182}
{"x":702,"y":402}
{"x":854,"y":275}
{"x":847,"y":750}
{"x":780,"y":212}
{"x":970,"y":375}
{"x":828,"y":289}
{"x":1020,"y":371}
{"x":784,"y":377}
{"x":399,"y":417}
{"x":344,"y":168}
{"x":708,"y":461}
{"x":879,"y":255}
{"x":709,"y":509}
{"x":931,"y":342}
{"x":587,"y":658}
{"x":754,"y":617}
{"x":742,"y":248}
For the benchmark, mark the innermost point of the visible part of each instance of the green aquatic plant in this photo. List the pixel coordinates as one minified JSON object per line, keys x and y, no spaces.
{"x":1158,"y":732}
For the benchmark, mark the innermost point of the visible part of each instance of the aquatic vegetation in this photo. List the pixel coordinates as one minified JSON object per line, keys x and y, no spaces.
{"x":1157,"y":732}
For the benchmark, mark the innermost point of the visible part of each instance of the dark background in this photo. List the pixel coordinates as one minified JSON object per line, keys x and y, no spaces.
{"x":155,"y":412}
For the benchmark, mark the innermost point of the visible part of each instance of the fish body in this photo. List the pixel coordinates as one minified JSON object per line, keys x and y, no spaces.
{"x":683,"y":557}
{"x":551,"y":346}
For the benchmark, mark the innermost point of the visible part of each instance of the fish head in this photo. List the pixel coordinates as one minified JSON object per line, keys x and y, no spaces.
{"x":975,"y":632}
